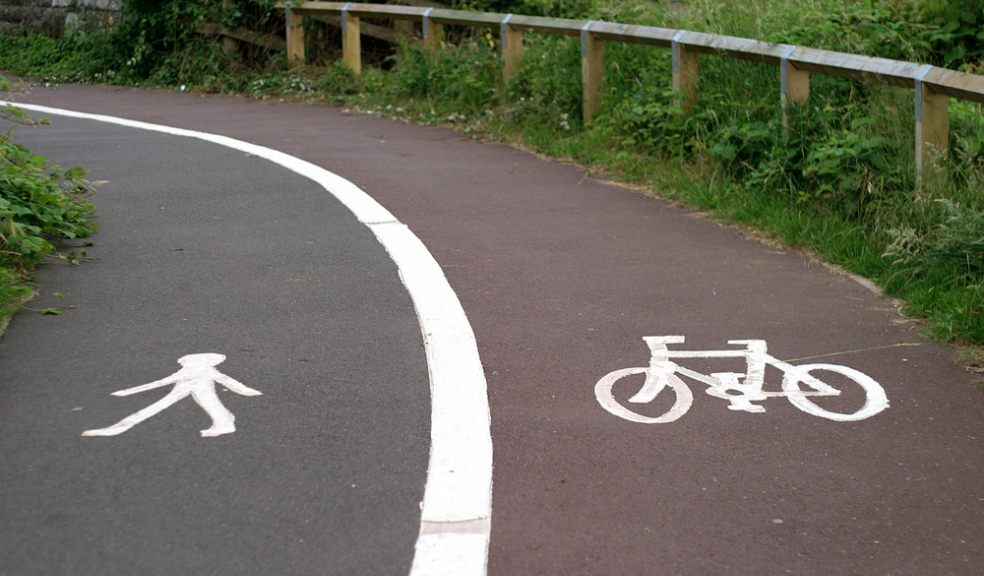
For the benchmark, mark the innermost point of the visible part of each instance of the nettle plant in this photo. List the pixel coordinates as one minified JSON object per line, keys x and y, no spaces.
{"x":39,"y":204}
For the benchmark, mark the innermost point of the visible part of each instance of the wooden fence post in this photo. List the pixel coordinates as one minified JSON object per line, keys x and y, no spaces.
{"x":511,"y":41}
{"x":351,"y":41}
{"x":295,"y":36}
{"x":794,"y":89}
{"x":932,"y":125}
{"x":684,"y":74}
{"x":592,"y":72}
{"x":229,"y":45}
{"x":433,"y":32}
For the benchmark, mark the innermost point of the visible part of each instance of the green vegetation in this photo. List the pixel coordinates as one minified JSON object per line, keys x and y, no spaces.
{"x":840,"y":184}
{"x":38,"y":204}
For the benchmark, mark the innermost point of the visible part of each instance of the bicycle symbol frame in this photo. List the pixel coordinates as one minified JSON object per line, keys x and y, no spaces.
{"x":743,"y":391}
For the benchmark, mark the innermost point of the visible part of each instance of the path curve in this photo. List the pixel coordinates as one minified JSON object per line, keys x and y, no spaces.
{"x":562,"y":275}
{"x":457,"y":507}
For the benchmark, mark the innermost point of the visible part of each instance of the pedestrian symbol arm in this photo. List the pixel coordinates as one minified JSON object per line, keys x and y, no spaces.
{"x":236,"y":386}
{"x":172,"y":379}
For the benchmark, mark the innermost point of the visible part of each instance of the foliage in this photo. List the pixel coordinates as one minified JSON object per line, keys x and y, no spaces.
{"x":160,"y":43}
{"x":339,"y":82}
{"x":552,"y":8}
{"x":38,"y":204}
{"x":463,"y":77}
{"x":947,"y":33}
{"x":75,"y":59}
{"x":155,"y":42}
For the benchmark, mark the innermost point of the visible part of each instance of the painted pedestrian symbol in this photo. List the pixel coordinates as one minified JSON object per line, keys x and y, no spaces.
{"x":742,"y":391}
{"x":197,"y":378}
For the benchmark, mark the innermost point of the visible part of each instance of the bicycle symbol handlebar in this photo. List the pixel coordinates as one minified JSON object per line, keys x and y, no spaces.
{"x":742,"y":390}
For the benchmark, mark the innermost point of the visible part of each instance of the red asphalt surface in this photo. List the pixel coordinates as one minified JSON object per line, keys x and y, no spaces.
{"x":561,"y":276}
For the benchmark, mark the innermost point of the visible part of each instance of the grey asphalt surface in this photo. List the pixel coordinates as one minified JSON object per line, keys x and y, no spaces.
{"x":561,"y":276}
{"x":205,"y":249}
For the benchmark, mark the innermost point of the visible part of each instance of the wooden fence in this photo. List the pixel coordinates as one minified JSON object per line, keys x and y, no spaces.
{"x":933,"y":86}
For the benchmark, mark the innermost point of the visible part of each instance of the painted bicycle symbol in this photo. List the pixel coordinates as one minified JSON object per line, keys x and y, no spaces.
{"x":743,"y":391}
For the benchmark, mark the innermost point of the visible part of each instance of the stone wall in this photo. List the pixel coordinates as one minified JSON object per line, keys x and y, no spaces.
{"x":56,"y":17}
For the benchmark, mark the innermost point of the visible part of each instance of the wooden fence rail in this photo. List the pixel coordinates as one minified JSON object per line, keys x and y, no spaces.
{"x":933,"y":86}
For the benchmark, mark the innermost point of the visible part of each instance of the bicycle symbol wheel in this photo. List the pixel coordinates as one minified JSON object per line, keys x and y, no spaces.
{"x":875,"y":398}
{"x":603,"y":392}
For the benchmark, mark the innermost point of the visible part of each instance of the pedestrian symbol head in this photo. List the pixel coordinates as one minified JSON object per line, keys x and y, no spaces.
{"x":201,"y":360}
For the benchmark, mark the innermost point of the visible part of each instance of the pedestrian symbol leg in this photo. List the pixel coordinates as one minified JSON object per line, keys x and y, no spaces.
{"x":139,"y":416}
{"x":223,"y":421}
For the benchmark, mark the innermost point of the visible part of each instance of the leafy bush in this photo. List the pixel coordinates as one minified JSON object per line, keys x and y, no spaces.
{"x":552,"y":8}
{"x":546,"y":91}
{"x":947,"y":33}
{"x":464,"y":77}
{"x":70,"y":59}
{"x":38,"y":204}
{"x":338,"y":82}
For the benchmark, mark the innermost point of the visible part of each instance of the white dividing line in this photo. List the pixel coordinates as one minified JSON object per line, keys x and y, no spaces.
{"x":457,"y":508}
